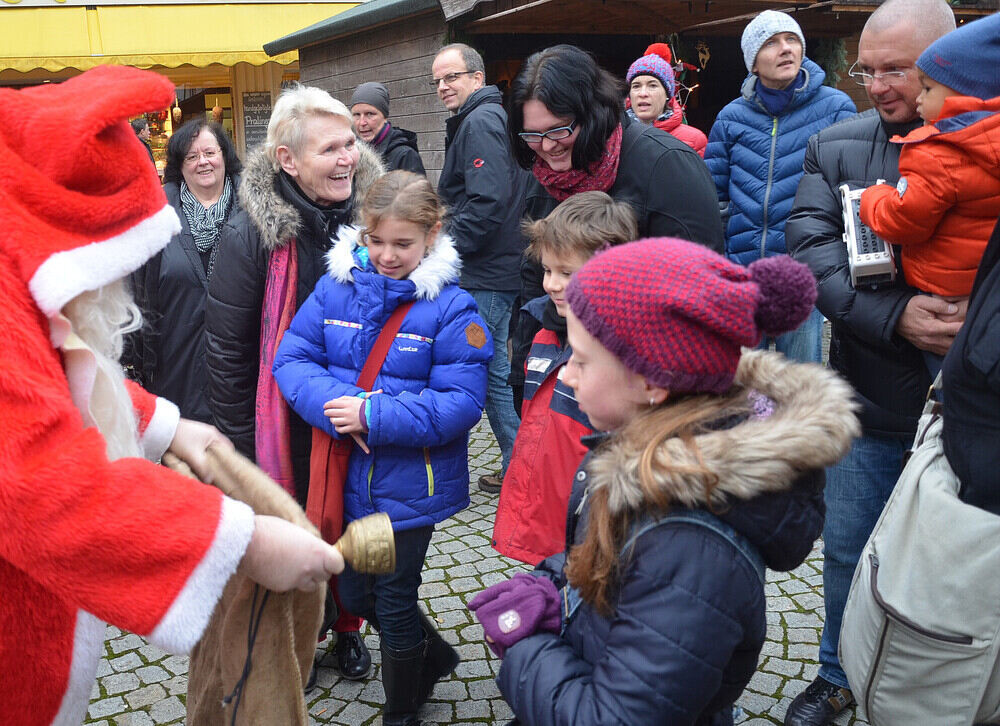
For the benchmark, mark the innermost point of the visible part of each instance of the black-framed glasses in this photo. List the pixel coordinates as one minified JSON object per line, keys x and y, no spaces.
{"x":534,"y":138}
{"x":889,"y":78}
{"x":448,"y":78}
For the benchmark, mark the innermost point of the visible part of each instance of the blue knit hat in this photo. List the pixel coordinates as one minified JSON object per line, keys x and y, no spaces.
{"x":653,"y":65}
{"x":967,"y":59}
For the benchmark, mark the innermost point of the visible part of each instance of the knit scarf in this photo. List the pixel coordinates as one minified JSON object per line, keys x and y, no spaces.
{"x":205,"y":222}
{"x":272,"y":421}
{"x":599,"y":176}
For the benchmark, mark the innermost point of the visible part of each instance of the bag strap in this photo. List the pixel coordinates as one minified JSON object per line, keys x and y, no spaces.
{"x":379,"y":351}
{"x":703,"y":518}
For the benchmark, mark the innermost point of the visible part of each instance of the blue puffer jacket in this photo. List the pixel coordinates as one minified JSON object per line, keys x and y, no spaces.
{"x":756,"y":160}
{"x":688,"y":619}
{"x":433,"y":380}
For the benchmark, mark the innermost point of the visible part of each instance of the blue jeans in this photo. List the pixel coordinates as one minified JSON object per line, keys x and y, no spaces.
{"x":857,"y":489}
{"x":495,"y":307}
{"x":389,"y":602}
{"x":804,"y":344}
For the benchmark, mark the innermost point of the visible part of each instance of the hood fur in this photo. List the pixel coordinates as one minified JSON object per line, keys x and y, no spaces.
{"x":811,"y":428}
{"x":278,"y":220}
{"x":441,"y":267}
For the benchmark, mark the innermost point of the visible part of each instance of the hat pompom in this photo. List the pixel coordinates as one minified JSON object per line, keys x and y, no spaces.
{"x":662,"y":50}
{"x":787,"y":294}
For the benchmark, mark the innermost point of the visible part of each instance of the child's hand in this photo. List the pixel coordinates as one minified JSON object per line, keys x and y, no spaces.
{"x":515,"y":609}
{"x":345,"y":414}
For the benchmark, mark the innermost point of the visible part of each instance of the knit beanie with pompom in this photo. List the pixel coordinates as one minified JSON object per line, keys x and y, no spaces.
{"x":655,"y":63}
{"x":678,"y":314}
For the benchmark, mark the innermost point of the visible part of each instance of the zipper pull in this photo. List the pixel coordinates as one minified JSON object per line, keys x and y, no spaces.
{"x":774,"y":127}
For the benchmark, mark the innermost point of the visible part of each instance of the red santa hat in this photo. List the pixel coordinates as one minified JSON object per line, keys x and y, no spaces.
{"x":81,"y":204}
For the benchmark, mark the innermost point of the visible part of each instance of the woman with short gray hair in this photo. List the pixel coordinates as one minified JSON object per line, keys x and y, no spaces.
{"x":296,"y":191}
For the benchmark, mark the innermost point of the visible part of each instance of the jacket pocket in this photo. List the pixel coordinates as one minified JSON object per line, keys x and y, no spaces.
{"x":430,"y":472}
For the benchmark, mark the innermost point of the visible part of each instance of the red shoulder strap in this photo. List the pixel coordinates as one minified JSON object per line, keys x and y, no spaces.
{"x":373,"y":364}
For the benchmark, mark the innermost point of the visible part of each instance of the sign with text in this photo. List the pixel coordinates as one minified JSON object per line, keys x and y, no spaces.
{"x":256,"y":114}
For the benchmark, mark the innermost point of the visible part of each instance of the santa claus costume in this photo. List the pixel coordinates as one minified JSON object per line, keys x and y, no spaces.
{"x":88,"y":533}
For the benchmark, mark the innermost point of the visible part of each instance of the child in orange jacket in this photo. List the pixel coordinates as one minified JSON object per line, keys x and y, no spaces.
{"x":946,"y":203}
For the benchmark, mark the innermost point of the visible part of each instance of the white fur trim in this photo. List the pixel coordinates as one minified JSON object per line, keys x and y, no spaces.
{"x":441,"y":267}
{"x":66,"y":274}
{"x":88,"y":645}
{"x":185,"y":622}
{"x":155,"y":440}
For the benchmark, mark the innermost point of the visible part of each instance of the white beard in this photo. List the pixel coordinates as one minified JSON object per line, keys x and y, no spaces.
{"x":101,"y":318}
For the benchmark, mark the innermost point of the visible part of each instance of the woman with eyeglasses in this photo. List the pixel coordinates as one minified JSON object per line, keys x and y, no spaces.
{"x":757,"y":145}
{"x":168,"y":354}
{"x":567,"y":125}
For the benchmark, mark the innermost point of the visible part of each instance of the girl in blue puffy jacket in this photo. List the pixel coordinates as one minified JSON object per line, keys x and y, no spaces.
{"x":411,"y":461}
{"x":709,"y":467}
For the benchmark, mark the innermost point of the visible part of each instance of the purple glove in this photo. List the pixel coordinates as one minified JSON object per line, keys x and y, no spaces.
{"x":515,"y":609}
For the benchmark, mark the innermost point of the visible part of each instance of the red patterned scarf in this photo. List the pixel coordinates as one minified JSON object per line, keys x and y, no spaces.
{"x":599,"y":176}
{"x":272,"y":424}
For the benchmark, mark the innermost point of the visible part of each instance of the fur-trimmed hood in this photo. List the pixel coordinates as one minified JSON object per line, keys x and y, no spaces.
{"x":811,"y":428}
{"x":277,"y":219}
{"x":441,"y":267}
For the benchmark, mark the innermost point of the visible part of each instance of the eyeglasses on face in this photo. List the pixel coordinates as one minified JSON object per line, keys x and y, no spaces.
{"x":889,"y":78}
{"x":449,"y":78}
{"x":534,"y":138}
{"x":194,"y":156}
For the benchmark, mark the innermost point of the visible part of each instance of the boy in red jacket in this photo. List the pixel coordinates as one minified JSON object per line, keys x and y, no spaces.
{"x":947,"y":200}
{"x":531,"y":516}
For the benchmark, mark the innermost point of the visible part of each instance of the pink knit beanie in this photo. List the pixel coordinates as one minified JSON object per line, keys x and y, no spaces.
{"x":678,"y":314}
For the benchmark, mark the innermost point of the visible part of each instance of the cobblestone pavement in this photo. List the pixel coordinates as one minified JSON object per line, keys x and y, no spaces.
{"x":139,"y":684}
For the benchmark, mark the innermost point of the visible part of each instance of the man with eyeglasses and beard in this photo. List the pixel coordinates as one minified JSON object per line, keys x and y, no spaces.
{"x":484,"y":191}
{"x":877,"y":335}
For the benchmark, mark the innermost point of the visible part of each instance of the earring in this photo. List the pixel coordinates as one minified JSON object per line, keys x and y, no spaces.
{"x":652,"y":401}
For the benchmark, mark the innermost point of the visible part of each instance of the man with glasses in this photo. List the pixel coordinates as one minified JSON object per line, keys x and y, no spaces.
{"x":484,"y":190}
{"x":877,"y":334}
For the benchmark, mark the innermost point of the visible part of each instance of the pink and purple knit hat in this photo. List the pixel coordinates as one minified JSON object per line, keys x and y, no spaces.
{"x":654,"y":65}
{"x":678,"y":314}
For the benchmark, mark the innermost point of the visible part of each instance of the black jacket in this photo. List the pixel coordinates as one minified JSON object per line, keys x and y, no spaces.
{"x":167,"y":355}
{"x":888,"y":373}
{"x":483,"y":188}
{"x":971,"y":378}
{"x":688,"y":618}
{"x":671,"y":191}
{"x":399,"y":151}
{"x":273,"y":215}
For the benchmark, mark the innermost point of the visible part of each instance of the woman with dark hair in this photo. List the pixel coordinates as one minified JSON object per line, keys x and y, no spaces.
{"x":168,"y":354}
{"x":567,"y":125}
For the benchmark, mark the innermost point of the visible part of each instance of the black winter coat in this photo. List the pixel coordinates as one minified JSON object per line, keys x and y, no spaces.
{"x":888,"y":373}
{"x":671,"y":191}
{"x":971,"y":379}
{"x":688,"y":617}
{"x":399,"y":151}
{"x":274,"y":213}
{"x":483,"y":188}
{"x":167,"y":354}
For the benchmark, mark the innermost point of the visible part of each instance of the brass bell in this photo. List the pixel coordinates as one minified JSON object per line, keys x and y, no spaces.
{"x":368,"y":545}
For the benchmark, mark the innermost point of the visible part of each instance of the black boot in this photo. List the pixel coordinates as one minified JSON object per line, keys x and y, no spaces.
{"x":818,"y":705}
{"x":442,"y":659}
{"x":353,"y":658}
{"x":401,"y":674}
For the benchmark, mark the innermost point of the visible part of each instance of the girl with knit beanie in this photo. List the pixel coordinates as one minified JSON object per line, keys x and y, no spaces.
{"x":652,"y":97}
{"x":709,"y":467}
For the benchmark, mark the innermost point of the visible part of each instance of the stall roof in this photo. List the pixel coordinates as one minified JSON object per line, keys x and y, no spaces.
{"x":363,"y":17}
{"x":81,"y":37}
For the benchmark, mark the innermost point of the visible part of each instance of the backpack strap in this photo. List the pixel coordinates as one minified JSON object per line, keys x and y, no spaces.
{"x":702,"y":518}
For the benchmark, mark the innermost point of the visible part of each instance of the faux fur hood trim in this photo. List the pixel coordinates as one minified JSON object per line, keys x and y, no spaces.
{"x":276,"y":219}
{"x":441,"y":267}
{"x":812,"y":427}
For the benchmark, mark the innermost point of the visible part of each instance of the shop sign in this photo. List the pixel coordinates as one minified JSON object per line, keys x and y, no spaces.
{"x":256,"y":115}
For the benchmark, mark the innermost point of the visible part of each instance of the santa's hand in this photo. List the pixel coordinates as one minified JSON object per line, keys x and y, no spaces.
{"x":190,"y":444}
{"x":283,"y":556}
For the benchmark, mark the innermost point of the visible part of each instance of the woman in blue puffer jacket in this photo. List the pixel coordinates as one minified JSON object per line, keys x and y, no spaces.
{"x":757,"y":146}
{"x":428,"y":394}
